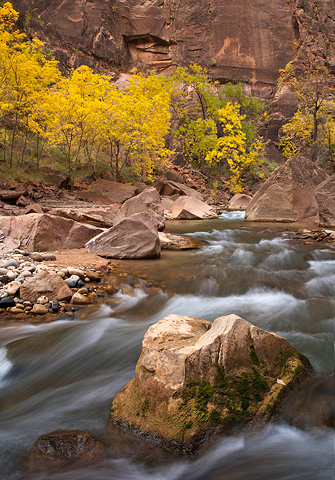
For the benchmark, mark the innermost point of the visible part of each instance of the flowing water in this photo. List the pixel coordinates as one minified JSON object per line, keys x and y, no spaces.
{"x":64,"y":375}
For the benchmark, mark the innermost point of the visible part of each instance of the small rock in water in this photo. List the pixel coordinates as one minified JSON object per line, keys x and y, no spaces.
{"x":39,"y":309}
{"x":79,"y":299}
{"x":60,"y":448}
{"x":55,"y":306}
{"x":77,"y":272}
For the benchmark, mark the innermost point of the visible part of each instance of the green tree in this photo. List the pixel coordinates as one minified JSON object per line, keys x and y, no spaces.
{"x":221,"y":128}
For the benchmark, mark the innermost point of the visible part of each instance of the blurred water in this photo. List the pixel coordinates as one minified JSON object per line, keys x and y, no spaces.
{"x":65,"y":374}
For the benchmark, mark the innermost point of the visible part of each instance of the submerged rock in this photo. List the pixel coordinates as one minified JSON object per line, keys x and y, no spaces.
{"x":62,"y":448}
{"x":170,"y":241}
{"x":195,"y":378}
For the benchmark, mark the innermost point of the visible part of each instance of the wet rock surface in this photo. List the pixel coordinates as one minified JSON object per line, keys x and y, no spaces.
{"x":64,"y":448}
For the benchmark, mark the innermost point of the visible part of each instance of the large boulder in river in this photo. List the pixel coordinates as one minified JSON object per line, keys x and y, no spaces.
{"x":64,"y":448}
{"x":325,"y":197}
{"x":195,"y":378}
{"x":148,"y":202}
{"x":133,"y":237}
{"x":43,"y":232}
{"x":289,"y":194}
{"x":45,"y":283}
{"x":189,"y":208}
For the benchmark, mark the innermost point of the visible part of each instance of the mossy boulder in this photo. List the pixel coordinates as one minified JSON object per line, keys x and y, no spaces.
{"x":195,"y":378}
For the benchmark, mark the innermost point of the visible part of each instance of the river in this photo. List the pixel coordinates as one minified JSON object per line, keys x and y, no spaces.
{"x":64,"y":375}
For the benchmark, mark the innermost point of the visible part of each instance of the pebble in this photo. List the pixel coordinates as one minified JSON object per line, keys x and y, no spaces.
{"x":11,"y":275}
{"x":7,"y":302}
{"x":26,"y":273}
{"x":39,"y":309}
{"x":43,"y":300}
{"x":76,"y":272}
{"x":72,"y":281}
{"x":37,"y":257}
{"x":15,"y":310}
{"x":11,"y":263}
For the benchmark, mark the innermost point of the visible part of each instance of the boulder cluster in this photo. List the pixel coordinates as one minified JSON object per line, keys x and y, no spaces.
{"x":28,"y":285}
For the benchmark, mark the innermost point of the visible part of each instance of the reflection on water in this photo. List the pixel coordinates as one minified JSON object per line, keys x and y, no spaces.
{"x":65,"y":374}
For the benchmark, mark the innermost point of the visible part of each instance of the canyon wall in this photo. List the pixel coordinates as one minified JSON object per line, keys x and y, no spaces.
{"x":239,"y":40}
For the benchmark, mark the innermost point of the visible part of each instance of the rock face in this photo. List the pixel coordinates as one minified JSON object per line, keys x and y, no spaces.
{"x":189,"y":208}
{"x":64,"y":448}
{"x":133,"y":237}
{"x":158,"y":33}
{"x":237,"y":40}
{"x":45,"y":283}
{"x":239,"y":202}
{"x":325,"y":197}
{"x":195,"y":377}
{"x":42,"y":232}
{"x":147,"y":202}
{"x":289,"y":194}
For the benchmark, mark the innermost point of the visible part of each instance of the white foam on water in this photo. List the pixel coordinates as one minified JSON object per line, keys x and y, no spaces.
{"x":232,"y":215}
{"x":321,"y":286}
{"x":241,"y":256}
{"x":5,"y":366}
{"x":260,"y":306}
{"x":321,"y":268}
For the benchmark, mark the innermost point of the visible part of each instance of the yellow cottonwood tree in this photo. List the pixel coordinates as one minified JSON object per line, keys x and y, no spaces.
{"x":232,"y":147}
{"x":75,"y":114}
{"x":137,"y":119}
{"x":25,"y":74}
